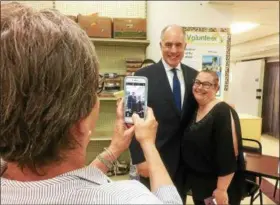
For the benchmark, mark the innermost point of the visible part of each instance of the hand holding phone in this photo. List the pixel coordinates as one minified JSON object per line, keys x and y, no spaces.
{"x":145,"y":130}
{"x":122,"y":135}
{"x":210,"y":201}
{"x":136,"y":89}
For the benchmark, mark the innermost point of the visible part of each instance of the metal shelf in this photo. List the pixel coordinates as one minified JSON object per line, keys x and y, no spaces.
{"x":120,"y":42}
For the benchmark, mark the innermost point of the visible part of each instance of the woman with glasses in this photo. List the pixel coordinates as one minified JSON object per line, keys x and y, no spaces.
{"x":211,"y":146}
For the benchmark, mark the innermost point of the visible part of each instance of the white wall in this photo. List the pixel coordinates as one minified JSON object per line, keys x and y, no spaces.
{"x":120,"y":9}
{"x":259,"y":48}
{"x":38,"y":4}
{"x":184,"y":13}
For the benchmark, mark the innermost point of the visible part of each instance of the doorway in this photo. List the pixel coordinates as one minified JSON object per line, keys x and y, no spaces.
{"x":246,"y":84}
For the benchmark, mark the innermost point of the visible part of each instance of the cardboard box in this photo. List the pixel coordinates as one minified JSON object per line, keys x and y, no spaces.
{"x":129,"y":28}
{"x":95,"y":26}
{"x":132,"y":69}
{"x":133,"y":65}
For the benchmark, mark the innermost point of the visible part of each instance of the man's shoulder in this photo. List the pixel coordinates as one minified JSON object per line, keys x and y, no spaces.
{"x":188,"y":68}
{"x":148,"y":70}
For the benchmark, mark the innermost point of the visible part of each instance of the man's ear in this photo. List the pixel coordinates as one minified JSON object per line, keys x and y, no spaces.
{"x":87,"y":124}
{"x":80,"y":128}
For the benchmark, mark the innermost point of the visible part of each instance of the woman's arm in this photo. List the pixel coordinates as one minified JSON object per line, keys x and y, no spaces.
{"x":224,"y":182}
{"x":227,"y":152}
{"x":120,"y":142}
{"x":106,"y":157}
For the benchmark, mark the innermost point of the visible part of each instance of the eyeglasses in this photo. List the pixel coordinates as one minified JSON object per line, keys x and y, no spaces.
{"x":101,"y":82}
{"x":205,"y":85}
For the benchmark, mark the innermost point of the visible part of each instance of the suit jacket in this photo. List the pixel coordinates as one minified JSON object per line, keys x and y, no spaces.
{"x":171,"y":122}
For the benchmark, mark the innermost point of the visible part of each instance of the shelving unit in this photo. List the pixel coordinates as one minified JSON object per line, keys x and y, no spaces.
{"x":112,"y":54}
{"x":108,"y":99}
{"x":120,"y":42}
{"x":102,"y":135}
{"x":100,"y":139}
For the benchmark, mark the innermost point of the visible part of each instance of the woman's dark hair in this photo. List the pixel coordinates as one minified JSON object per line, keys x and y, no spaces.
{"x":49,"y":79}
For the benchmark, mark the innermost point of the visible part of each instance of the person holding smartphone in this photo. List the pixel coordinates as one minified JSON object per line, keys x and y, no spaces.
{"x":170,"y":97}
{"x":49,"y":109}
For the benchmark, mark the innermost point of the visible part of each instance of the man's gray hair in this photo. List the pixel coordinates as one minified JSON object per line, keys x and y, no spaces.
{"x":168,"y":26}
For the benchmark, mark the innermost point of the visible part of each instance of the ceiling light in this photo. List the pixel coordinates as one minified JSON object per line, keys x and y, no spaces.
{"x":242,"y":27}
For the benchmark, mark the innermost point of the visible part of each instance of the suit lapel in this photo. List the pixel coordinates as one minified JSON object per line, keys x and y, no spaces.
{"x":165,"y":86}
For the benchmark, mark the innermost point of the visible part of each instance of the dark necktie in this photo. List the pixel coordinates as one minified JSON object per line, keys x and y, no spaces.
{"x":176,"y":89}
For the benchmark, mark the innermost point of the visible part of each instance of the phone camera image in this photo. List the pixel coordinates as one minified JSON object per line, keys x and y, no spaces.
{"x":135,"y":99}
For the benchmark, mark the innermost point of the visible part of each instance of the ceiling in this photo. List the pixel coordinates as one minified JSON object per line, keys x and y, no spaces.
{"x":265,"y":13}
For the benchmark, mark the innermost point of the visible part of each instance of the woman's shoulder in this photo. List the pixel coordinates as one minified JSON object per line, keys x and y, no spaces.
{"x":222,"y":108}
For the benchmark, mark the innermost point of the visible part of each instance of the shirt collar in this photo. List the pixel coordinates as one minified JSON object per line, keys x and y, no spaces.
{"x":169,"y":68}
{"x":89,"y":173}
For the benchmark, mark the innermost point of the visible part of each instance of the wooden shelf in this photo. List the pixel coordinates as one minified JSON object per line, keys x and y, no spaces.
{"x":102,"y":136}
{"x":120,"y":42}
{"x":100,"y":139}
{"x":120,"y":177}
{"x":108,"y":98}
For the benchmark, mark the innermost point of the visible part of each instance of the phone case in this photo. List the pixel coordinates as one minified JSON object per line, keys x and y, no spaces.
{"x":210,"y":201}
{"x":145,"y":93}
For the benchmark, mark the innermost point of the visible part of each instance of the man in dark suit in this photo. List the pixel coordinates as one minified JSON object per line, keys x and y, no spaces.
{"x":131,"y":103}
{"x":139,"y":107}
{"x":170,"y":96}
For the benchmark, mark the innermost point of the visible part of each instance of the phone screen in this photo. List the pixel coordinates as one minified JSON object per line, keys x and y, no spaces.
{"x":135,"y":97}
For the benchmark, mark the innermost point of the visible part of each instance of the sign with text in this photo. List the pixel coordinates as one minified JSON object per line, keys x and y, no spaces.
{"x":209,"y":49}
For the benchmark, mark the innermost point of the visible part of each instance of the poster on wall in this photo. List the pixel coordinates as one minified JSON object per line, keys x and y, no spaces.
{"x":209,"y":49}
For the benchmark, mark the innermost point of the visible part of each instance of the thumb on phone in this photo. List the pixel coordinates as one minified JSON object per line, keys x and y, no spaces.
{"x":135,"y":117}
{"x":150,"y":114}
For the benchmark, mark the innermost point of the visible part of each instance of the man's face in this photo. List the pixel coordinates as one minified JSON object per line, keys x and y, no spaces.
{"x":173,"y":46}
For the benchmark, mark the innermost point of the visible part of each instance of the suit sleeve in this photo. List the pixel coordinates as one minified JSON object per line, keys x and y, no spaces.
{"x":224,"y":150}
{"x":136,"y":153}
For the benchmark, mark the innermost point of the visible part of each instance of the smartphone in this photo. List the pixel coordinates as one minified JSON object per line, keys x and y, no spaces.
{"x":136,"y":97}
{"x":210,"y":201}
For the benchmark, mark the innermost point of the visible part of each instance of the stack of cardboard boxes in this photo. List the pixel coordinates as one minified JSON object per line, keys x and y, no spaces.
{"x":118,"y":28}
{"x":130,"y":28}
{"x":105,"y":27}
{"x":132,"y":65}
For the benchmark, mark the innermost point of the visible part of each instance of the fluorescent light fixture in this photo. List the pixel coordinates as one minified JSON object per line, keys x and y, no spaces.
{"x":242,"y":27}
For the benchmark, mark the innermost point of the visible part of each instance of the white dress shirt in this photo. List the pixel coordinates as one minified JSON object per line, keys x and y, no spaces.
{"x":180,"y":75}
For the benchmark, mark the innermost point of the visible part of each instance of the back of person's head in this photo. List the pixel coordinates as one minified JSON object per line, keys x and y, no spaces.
{"x":49,"y":79}
{"x":147,"y":62}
